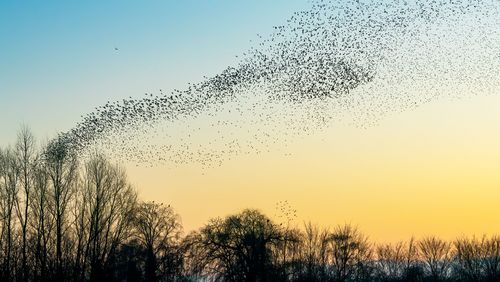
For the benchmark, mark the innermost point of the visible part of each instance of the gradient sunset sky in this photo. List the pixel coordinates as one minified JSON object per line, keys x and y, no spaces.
{"x":432,"y":170}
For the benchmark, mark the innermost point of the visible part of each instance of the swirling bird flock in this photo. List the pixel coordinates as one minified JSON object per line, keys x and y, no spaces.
{"x":339,"y":59}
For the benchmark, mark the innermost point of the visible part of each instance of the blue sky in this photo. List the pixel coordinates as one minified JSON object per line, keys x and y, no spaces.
{"x":57,"y":58}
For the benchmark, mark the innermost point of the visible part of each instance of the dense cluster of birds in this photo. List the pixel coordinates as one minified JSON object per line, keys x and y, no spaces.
{"x":354,"y":58}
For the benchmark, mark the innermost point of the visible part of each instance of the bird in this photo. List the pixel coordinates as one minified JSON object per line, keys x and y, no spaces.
{"x":319,"y":65}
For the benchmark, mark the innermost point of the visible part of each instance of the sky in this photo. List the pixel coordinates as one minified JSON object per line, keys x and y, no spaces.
{"x":58,"y":54}
{"x":430,"y":170}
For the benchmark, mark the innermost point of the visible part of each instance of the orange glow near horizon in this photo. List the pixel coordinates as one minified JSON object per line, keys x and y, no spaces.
{"x":433,"y":170}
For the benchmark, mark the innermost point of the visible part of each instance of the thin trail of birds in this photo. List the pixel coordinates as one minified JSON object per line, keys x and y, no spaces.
{"x":339,"y":60}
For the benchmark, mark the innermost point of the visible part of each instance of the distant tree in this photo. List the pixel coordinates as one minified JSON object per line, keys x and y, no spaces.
{"x":414,"y":273}
{"x":287,"y":254}
{"x":314,"y":253}
{"x":349,"y":253}
{"x":61,"y":166}
{"x":9,"y":188}
{"x":60,"y":221}
{"x":468,"y":254}
{"x":42,"y":225}
{"x":158,"y":230}
{"x":491,"y":258}
{"x":128,"y":262}
{"x":237,"y":248}
{"x":105,"y":207}
{"x":287,"y":251}
{"x":391,"y":260}
{"x":436,"y":256}
{"x":26,"y":159}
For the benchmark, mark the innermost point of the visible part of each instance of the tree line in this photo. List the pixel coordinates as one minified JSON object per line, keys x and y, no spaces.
{"x":64,"y":218}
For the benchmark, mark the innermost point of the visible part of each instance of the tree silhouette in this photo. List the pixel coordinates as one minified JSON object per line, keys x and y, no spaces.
{"x":42,"y":225}
{"x":314,"y":254}
{"x":61,"y":166}
{"x":390,"y":260}
{"x":238,"y":247}
{"x":105,"y":215}
{"x":436,"y":256}
{"x":9,"y":176}
{"x":158,"y":229}
{"x":64,"y":217}
{"x":350,"y":251}
{"x":26,"y":161}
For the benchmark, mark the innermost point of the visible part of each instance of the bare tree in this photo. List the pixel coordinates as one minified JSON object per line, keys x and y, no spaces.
{"x":61,"y":222}
{"x":42,"y":222}
{"x":491,"y":258}
{"x":468,"y":253}
{"x":314,"y":253}
{"x":158,"y":229}
{"x":106,"y":205}
{"x":62,"y":168}
{"x":9,"y":186}
{"x":391,"y":260}
{"x":287,"y":253}
{"x":349,"y":250}
{"x":288,"y":247}
{"x":26,"y":160}
{"x":436,"y":256}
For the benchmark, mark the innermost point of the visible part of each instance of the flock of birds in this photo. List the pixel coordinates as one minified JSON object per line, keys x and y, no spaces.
{"x":285,"y":213}
{"x":355,"y":59}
